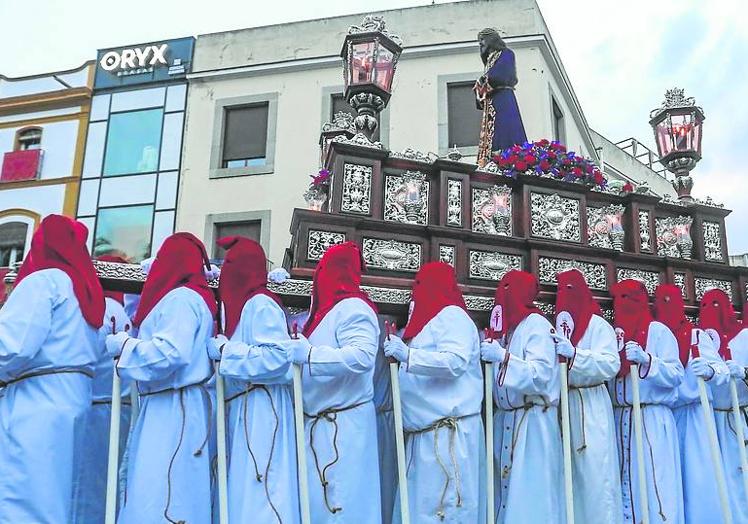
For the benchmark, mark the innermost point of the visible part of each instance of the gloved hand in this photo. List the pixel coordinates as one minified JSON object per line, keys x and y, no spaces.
{"x":215,"y":347}
{"x":278,"y":275}
{"x":564,"y":347}
{"x":297,"y":349}
{"x":492,"y":351}
{"x":395,"y":347}
{"x":635,"y":353}
{"x":736,"y":370}
{"x":115,"y":343}
{"x":701,"y":368}
{"x":213,"y":273}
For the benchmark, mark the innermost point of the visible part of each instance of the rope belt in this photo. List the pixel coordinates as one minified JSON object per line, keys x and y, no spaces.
{"x":525,"y":408}
{"x":582,"y":424}
{"x":331,"y":416}
{"x":45,"y":372}
{"x":451,"y":425}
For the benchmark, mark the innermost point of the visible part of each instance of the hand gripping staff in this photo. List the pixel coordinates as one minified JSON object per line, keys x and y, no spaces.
{"x":566,"y":437}
{"x":110,"y":509}
{"x":298,"y":411}
{"x":712,"y":430}
{"x":739,"y":427}
{"x":397,"y":410}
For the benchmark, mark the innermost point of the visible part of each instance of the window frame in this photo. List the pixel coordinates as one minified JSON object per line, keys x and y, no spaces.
{"x":561,"y":138}
{"x":108,"y":136}
{"x":18,"y":138}
{"x":30,"y":218}
{"x":442,"y":95}
{"x":214,"y":219}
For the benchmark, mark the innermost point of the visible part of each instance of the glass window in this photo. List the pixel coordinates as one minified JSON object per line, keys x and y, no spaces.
{"x":175,"y":97}
{"x":559,"y":132}
{"x":138,"y":99}
{"x":463,"y":118}
{"x":29,"y":138}
{"x":245,"y":135}
{"x":166,"y":195}
{"x":94,"y":150}
{"x":12,"y":242}
{"x":171,"y":143}
{"x":163,"y":226}
{"x":89,"y":196}
{"x":125,"y":231}
{"x":128,"y":191}
{"x":100,"y":107}
{"x":249,"y":228}
{"x":133,"y":142}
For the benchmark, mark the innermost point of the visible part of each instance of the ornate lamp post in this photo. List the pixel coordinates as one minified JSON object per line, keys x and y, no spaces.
{"x":677,"y":129}
{"x":370,"y":55}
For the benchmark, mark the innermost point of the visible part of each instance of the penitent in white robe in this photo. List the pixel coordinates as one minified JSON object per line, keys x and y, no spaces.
{"x":441,"y":388}
{"x":529,"y":479}
{"x":340,"y":419}
{"x":260,"y":418}
{"x":658,"y":391}
{"x":726,"y":430}
{"x":700,"y":496}
{"x":168,"y":471}
{"x":595,"y":470}
{"x":42,"y":418}
{"x":89,"y":490}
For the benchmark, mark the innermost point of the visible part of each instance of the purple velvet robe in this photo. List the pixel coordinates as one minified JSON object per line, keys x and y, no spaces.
{"x":508,"y":128}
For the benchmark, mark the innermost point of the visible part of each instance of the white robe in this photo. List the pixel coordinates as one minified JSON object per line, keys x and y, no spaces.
{"x":385,"y":429}
{"x":529,"y":480}
{"x":700,"y":496}
{"x":340,"y":377}
{"x":260,"y":419}
{"x":42,"y":418}
{"x":169,"y":460}
{"x":595,"y":471}
{"x":442,"y":389}
{"x":726,"y":430}
{"x":89,"y":490}
{"x":658,"y":390}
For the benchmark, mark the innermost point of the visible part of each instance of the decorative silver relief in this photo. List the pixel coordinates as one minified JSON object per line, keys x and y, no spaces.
{"x":674,"y":236}
{"x":118,"y":271}
{"x":608,"y":314}
{"x":645,"y":236}
{"x":703,"y":285}
{"x":478,"y":303}
{"x":416,"y":156}
{"x":489,"y":265}
{"x":359,"y":139}
{"x":492,"y":210}
{"x":386,"y":295}
{"x":447,"y":254}
{"x":594,"y":274}
{"x":406,"y":198}
{"x":650,"y":279}
{"x":391,"y":254}
{"x":356,"y":189}
{"x":548,"y":310}
{"x":604,"y":228}
{"x":454,"y":202}
{"x":555,"y":217}
{"x":374,"y":24}
{"x":341,"y":121}
{"x":679,"y":279}
{"x":713,"y":241}
{"x":318,"y":241}
{"x":292,"y":287}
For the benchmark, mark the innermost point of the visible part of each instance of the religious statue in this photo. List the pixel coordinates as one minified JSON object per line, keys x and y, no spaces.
{"x":501,"y":125}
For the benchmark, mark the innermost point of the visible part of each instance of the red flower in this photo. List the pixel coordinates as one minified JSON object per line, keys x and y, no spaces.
{"x":577,"y":172}
{"x":545,"y":165}
{"x":513,"y":159}
{"x":530,"y":159}
{"x":599,"y":178}
{"x":542,"y":143}
{"x":628,"y":187}
{"x":497,"y":159}
{"x":520,"y":166}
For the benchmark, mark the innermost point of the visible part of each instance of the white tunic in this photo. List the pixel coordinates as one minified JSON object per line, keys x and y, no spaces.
{"x":169,"y":460}
{"x":441,"y":386}
{"x":338,"y":393}
{"x":89,"y":491}
{"x":260,"y":418}
{"x":726,"y":430}
{"x":595,"y":470}
{"x":527,"y":439}
{"x":700,"y":495}
{"x":42,"y":418}
{"x":658,"y":390}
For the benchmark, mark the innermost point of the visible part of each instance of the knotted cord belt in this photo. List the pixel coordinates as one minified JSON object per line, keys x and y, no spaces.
{"x":731,"y":421}
{"x":526,"y":407}
{"x":245,"y":394}
{"x":45,"y":372}
{"x":579,"y":389}
{"x":331,"y":416}
{"x":451,"y":424}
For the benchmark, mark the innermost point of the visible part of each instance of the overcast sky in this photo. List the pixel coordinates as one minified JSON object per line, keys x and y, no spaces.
{"x":620,"y":57}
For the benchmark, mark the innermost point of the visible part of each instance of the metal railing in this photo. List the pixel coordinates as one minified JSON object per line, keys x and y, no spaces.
{"x":643,"y":154}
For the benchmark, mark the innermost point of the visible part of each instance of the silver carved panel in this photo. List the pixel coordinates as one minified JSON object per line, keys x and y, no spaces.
{"x":703,"y":285}
{"x":679,"y":279}
{"x":492,"y":210}
{"x":478,"y":303}
{"x":674,"y":237}
{"x":454,"y":202}
{"x":604,"y":227}
{"x":548,"y":309}
{"x":713,"y":241}
{"x":406,"y":198}
{"x":645,"y":236}
{"x":650,"y":279}
{"x":594,"y":274}
{"x":356,"y":189}
{"x":489,"y":265}
{"x":318,"y":241}
{"x":555,"y":217}
{"x":293,"y":287}
{"x":392,"y":255}
{"x":447,"y":254}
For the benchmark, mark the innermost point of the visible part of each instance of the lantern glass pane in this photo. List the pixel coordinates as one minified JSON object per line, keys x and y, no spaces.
{"x":384,"y":68}
{"x":362,"y":59}
{"x":662,"y":135}
{"x":681,"y":129}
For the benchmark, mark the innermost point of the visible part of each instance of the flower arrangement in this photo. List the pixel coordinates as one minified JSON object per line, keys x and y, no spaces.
{"x":545,"y":158}
{"x":320,"y":179}
{"x":316,"y":193}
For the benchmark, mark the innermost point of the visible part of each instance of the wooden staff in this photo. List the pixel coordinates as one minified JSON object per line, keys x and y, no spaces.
{"x":110,"y":508}
{"x":223,"y":487}
{"x":706,"y":408}
{"x":397,"y":411}
{"x":489,"y":378}
{"x":566,"y":437}
{"x":739,"y":427}
{"x":639,"y":442}
{"x":298,"y":410}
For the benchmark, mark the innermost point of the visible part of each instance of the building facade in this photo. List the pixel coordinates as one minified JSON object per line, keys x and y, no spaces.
{"x":128,"y":194}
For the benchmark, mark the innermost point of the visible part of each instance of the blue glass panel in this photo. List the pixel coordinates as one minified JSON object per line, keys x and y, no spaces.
{"x":124,"y":231}
{"x":133,"y":142}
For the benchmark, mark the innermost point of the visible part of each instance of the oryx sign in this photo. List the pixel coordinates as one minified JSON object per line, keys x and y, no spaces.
{"x":133,"y":58}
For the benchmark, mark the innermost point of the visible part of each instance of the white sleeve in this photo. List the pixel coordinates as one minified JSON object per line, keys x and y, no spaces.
{"x":531,"y":374}
{"x":601,"y":361}
{"x":454,"y":340}
{"x":664,"y":369}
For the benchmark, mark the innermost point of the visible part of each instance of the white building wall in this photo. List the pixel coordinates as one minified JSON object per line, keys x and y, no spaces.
{"x":43,"y":200}
{"x":58,"y":146}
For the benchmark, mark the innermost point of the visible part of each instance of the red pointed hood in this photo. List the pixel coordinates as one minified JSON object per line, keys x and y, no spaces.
{"x":716,"y":312}
{"x":516,"y":295}
{"x":60,"y":243}
{"x":337,"y":277}
{"x":179,"y":263}
{"x":670,"y":309}
{"x":243,"y":275}
{"x":435,"y":288}
{"x":632,"y":316}
{"x":575,"y":297}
